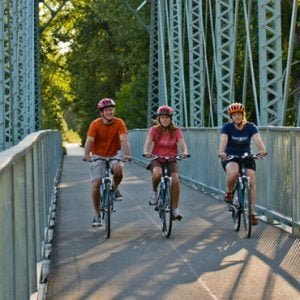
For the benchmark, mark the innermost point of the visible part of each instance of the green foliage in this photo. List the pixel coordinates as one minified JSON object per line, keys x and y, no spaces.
{"x":107,"y":54}
{"x":56,"y":94}
{"x":108,"y":49}
{"x":72,"y":137}
{"x":132,"y":103}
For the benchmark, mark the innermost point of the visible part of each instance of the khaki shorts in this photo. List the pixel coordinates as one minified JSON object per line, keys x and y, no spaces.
{"x":98,"y":167}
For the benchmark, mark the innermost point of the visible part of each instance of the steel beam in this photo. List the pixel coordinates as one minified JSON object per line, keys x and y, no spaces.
{"x":177,"y":80}
{"x":270,"y":62}
{"x":196,"y":62}
{"x":2,"y":72}
{"x":224,"y":32}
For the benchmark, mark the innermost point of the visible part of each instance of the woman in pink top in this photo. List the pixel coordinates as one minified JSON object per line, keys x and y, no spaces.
{"x":165,"y":137}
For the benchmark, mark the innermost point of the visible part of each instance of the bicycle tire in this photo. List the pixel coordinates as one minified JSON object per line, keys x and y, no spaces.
{"x":160,"y":207}
{"x":168,"y":211}
{"x":107,"y":211}
{"x":247,"y":211}
{"x":236,"y":210}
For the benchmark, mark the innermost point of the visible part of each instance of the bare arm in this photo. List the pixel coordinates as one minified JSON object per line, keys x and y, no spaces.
{"x":87,"y":147}
{"x":222,"y":145}
{"x":183,"y":147}
{"x":125,"y":145}
{"x":259,"y":144}
{"x":147,"y":145}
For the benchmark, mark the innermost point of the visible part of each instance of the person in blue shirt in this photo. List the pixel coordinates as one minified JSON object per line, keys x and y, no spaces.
{"x":235,"y":139}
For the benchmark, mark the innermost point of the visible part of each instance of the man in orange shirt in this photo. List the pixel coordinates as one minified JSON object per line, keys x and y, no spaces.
{"x":106,"y":136}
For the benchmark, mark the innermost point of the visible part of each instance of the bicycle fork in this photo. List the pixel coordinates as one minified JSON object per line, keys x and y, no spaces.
{"x":165,"y":182}
{"x":107,"y":182}
{"x":243,"y":182}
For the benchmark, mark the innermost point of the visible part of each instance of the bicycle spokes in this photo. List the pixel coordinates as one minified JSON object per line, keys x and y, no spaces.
{"x":236,"y":216}
{"x":166,"y":210}
{"x":247,"y":212}
{"x":106,"y":208}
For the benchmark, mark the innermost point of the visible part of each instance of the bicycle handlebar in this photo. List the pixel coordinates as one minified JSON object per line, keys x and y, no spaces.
{"x":177,"y":157}
{"x":245,"y":156}
{"x":109,"y":159}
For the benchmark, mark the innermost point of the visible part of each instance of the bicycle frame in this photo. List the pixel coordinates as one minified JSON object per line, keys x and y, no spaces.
{"x":242,"y":205}
{"x":165,"y":202}
{"x":165,"y":198}
{"x":243,"y":180}
{"x":107,"y":202}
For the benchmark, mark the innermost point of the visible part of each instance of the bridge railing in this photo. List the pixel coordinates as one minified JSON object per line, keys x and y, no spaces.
{"x":278,"y":176}
{"x":29,"y":173}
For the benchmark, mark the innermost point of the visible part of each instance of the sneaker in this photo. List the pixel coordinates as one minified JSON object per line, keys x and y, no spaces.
{"x":117,"y":195}
{"x":228,"y":197}
{"x":254,"y":220}
{"x":177,"y":216}
{"x":97,"y":221}
{"x":153,"y":198}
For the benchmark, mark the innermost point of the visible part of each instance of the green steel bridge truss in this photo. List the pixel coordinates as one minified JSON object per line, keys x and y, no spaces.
{"x":199,"y":86}
{"x":20,"y":98}
{"x":203,"y":80}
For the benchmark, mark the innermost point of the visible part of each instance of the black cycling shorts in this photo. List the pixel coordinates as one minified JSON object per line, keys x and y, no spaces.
{"x":249,"y":163}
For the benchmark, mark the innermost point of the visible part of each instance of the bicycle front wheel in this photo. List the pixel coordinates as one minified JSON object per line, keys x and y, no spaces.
{"x":247,"y":212}
{"x":107,"y":210}
{"x":168,"y":210}
{"x":236,"y":210}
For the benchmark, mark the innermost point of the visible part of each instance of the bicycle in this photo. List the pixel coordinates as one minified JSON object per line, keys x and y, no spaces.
{"x":164,"y":205}
{"x":241,"y":205}
{"x":107,"y":199}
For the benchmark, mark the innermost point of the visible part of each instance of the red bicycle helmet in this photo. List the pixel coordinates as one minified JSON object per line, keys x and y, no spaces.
{"x":236,"y":107}
{"x":165,"y":110}
{"x":106,"y":102}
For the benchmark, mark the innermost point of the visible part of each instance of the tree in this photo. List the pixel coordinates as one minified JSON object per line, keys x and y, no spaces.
{"x":107,"y":54}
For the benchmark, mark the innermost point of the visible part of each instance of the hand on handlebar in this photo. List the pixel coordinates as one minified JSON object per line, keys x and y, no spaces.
{"x":127,"y":158}
{"x":184,"y":155}
{"x":262,"y":154}
{"x":147,"y":154}
{"x":86,"y":157}
{"x":223,"y":155}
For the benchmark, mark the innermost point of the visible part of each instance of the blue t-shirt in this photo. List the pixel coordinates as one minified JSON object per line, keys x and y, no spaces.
{"x":239,"y":141}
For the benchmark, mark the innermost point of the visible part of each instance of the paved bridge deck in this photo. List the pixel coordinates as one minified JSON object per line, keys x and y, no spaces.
{"x":203,"y":259}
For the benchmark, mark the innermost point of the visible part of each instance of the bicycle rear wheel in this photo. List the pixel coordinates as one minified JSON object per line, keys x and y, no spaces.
{"x":107,"y":210}
{"x":247,"y":211}
{"x":236,"y":210}
{"x":168,"y":211}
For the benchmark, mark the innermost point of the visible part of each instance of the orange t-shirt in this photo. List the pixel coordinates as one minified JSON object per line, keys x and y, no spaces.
{"x":107,"y":137}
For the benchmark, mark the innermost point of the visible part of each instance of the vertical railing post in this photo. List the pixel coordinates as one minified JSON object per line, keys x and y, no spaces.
{"x":20,"y":231}
{"x":7,"y":274}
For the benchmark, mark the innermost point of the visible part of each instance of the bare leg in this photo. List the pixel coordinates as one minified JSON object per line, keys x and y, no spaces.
{"x":96,"y":195}
{"x":232,"y":171}
{"x":176,"y":190}
{"x":156,"y":175}
{"x":118,"y":174}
